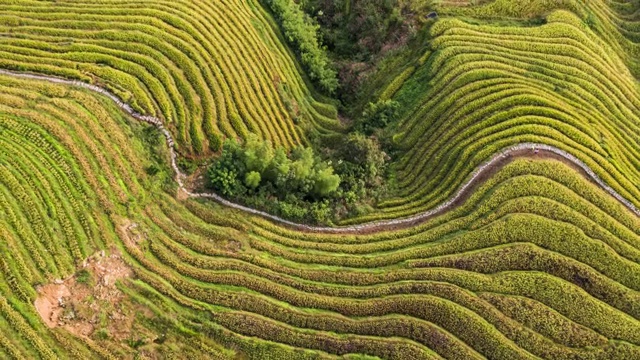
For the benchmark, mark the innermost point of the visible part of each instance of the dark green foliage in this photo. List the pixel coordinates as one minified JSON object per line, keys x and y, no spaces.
{"x":376,"y":45}
{"x":83,"y":277}
{"x":378,"y":115}
{"x":293,"y":185}
{"x":356,"y":29}
{"x":152,"y":169}
{"x":188,"y":166}
{"x":223,"y":174}
{"x":364,"y":172}
{"x":301,"y":33}
{"x":224,"y":180}
{"x":364,"y":158}
{"x":300,"y":185}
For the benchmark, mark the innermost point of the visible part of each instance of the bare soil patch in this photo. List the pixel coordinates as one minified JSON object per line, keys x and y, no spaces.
{"x":197,"y":181}
{"x":131,"y":233}
{"x":89,"y":299}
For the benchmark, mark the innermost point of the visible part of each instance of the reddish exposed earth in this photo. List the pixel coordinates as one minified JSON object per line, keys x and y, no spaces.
{"x":78,"y":302}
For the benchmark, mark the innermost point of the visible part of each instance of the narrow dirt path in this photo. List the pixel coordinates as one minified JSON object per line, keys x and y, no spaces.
{"x":481,"y":173}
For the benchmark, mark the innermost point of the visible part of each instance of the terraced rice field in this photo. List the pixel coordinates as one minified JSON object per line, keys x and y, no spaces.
{"x":556,"y":84}
{"x":538,"y":260}
{"x":169,"y":59}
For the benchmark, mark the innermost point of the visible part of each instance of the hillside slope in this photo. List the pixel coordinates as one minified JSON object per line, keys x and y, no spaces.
{"x":105,"y":256}
{"x":210,"y":69}
{"x":485,"y":88}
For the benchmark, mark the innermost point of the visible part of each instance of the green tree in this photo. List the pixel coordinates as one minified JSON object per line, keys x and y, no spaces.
{"x":302,"y":34}
{"x":321,"y":211}
{"x":365,"y":153}
{"x":257,"y":154}
{"x":301,"y":182}
{"x":252,"y":179}
{"x":325,"y":182}
{"x":278,"y":170}
{"x":302,"y":166}
{"x":223,"y":179}
{"x":223,"y":174}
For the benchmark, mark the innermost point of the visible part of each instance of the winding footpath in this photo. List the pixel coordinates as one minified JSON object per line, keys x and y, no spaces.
{"x":407,"y":221}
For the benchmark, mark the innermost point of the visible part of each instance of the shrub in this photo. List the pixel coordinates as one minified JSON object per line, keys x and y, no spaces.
{"x":83,"y":277}
{"x":378,"y":115}
{"x":297,"y":180}
{"x":326,"y":182}
{"x":188,"y":166}
{"x":223,"y":179}
{"x":252,"y":179}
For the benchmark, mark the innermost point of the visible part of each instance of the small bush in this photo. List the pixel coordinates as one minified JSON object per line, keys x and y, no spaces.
{"x":83,"y":277}
{"x":252,"y":179}
{"x":378,"y":115}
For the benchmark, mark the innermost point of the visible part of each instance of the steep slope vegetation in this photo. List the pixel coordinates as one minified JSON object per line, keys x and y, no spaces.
{"x":539,"y":262}
{"x":491,"y":87}
{"x":536,"y":240}
{"x":210,"y":69}
{"x":66,"y":167}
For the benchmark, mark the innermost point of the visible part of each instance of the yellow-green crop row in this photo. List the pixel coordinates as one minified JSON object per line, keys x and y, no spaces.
{"x":537,"y":262}
{"x":197,"y":62}
{"x":565,"y":245}
{"x":492,"y":87}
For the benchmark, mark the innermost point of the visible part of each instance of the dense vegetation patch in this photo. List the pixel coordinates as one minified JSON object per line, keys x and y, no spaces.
{"x":360,"y":34}
{"x":299,"y":185}
{"x":301,"y":32}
